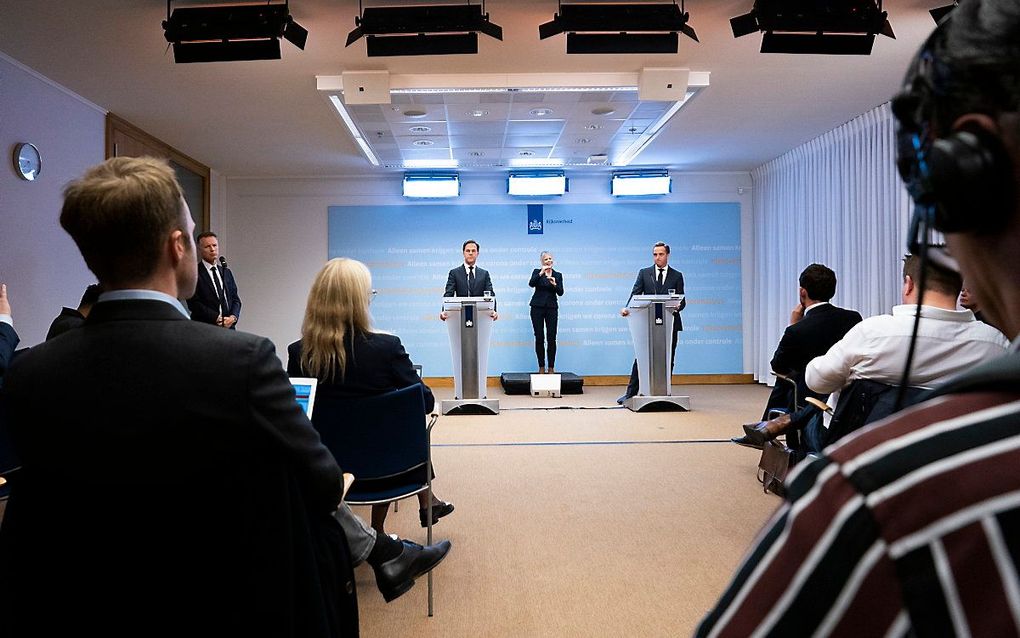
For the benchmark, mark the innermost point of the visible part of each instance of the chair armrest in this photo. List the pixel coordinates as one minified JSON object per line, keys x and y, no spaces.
{"x":819,"y":404}
{"x":348,"y":481}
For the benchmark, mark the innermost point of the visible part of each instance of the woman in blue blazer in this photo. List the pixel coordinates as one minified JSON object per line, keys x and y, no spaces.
{"x":548,"y":285}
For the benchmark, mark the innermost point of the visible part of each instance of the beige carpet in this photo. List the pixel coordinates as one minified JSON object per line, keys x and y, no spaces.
{"x":588,"y":522}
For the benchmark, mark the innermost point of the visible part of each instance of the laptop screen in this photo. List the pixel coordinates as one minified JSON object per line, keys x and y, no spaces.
{"x":304,"y":389}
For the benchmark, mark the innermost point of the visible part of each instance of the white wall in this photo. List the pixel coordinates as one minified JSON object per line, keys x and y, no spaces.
{"x":38,"y":261}
{"x":275,"y":232}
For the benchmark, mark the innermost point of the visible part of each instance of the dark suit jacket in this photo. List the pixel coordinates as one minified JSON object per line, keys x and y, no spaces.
{"x":810,"y":337}
{"x":376,"y":363}
{"x":457,"y":283}
{"x":8,"y":342}
{"x":170,"y":484}
{"x":205,"y":305}
{"x":545,"y":292}
{"x":647,"y":284}
{"x":68,"y":319}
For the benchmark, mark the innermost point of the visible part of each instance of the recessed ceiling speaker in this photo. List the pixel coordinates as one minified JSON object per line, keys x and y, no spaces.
{"x":366,"y":87}
{"x":663,"y":85}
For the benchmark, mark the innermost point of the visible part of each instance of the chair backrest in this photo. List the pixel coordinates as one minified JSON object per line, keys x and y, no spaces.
{"x":374,"y":436}
{"x":865,"y":401}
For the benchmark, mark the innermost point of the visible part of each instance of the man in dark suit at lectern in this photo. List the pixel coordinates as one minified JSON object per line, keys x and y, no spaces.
{"x":468,"y":280}
{"x":657,"y":279}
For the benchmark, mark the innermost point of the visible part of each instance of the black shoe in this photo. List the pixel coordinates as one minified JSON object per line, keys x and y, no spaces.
{"x":439,"y":510}
{"x":754,"y":436}
{"x":623,"y":398}
{"x":748,"y":441}
{"x":396,"y":576}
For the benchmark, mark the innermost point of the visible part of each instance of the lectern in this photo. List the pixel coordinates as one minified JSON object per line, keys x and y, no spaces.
{"x":651,"y":328}
{"x":470,"y":325}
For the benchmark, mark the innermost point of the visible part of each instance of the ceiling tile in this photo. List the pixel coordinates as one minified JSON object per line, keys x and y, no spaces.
{"x":423,"y":142}
{"x":476,"y":141}
{"x":534,"y":127}
{"x":526,"y":141}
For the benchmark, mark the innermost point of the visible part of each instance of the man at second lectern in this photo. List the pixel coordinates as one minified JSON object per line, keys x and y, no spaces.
{"x":468,"y":280}
{"x":657,"y":279}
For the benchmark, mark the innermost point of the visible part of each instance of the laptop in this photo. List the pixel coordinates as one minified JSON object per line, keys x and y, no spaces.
{"x":304,"y":389}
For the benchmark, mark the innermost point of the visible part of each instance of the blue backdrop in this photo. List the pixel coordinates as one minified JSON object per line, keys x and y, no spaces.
{"x":598,"y":248}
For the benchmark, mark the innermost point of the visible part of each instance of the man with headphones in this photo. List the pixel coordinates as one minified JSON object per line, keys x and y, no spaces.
{"x":912,"y":526}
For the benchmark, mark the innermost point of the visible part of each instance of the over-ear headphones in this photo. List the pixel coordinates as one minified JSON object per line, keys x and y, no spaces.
{"x":969,"y":177}
{"x":962,"y":182}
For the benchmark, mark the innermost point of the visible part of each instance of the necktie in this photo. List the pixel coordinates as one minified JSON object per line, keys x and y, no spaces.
{"x":219,"y":290}
{"x":471,"y":279}
{"x":662,"y":277}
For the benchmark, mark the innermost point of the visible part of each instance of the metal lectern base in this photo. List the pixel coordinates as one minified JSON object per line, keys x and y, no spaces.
{"x":658,"y":404}
{"x":470,"y":406}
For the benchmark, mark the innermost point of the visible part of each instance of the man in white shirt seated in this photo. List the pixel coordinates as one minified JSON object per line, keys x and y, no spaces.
{"x":949,"y":341}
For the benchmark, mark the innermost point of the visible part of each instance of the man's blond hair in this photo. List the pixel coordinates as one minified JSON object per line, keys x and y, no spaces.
{"x":120,"y":214}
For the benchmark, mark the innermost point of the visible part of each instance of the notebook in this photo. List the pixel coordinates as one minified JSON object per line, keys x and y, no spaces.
{"x":304,"y":389}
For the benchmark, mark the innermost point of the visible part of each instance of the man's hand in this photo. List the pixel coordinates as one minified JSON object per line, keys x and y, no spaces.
{"x":624,"y":312}
{"x":443,"y":316}
{"x":229,"y":321}
{"x":494,"y":315}
{"x":796,"y":314}
{"x":5,"y":304}
{"x":219,"y":320}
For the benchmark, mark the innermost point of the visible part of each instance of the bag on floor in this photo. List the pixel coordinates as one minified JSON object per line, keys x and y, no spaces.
{"x":773,"y":467}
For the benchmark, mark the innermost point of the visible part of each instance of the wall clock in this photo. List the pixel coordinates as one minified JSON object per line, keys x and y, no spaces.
{"x":27,"y":162}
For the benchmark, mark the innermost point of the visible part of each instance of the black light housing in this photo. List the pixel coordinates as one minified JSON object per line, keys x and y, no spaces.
{"x":231,"y":32}
{"x":940,"y":12}
{"x":423,"y":30}
{"x":847,"y":27}
{"x":620,"y":28}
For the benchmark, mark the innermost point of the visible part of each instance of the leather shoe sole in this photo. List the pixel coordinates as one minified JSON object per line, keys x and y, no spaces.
{"x":396,"y":576}
{"x":438,"y":512}
{"x":748,"y":441}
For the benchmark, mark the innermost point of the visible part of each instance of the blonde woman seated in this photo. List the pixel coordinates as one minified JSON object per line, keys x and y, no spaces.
{"x":339,"y":348}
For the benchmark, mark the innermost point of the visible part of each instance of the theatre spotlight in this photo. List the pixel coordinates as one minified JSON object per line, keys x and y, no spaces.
{"x":641,"y":183}
{"x":231,"y":32}
{"x":620,"y":28}
{"x":431,"y":185}
{"x":940,"y":12}
{"x":843,"y":27}
{"x":423,"y":30}
{"x":536,"y":184}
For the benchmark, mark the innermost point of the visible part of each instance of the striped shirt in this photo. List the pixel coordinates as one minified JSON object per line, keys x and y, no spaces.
{"x":908,"y":527}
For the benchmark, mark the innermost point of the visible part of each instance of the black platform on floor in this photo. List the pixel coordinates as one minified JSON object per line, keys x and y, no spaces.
{"x":520,"y":383}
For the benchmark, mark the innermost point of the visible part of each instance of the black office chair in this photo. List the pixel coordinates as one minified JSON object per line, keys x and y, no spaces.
{"x":865,"y":401}
{"x":384,"y":442}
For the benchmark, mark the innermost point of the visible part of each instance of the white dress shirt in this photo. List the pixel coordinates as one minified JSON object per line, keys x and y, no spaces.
{"x":948,"y":342}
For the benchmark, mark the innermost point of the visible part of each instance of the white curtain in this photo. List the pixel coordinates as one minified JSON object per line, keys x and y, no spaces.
{"x":836,"y":200}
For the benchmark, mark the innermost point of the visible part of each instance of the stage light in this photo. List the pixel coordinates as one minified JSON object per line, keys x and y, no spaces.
{"x":940,"y":12}
{"x":536,"y":184}
{"x":431,"y":185}
{"x":443,"y":29}
{"x":231,"y":32}
{"x":620,"y":28}
{"x":641,"y":184}
{"x":847,"y":27}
